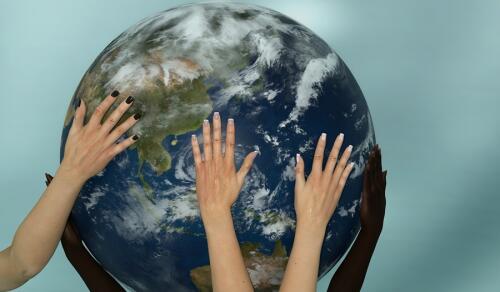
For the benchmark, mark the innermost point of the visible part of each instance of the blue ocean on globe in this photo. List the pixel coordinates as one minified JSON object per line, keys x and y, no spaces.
{"x":282,"y":84}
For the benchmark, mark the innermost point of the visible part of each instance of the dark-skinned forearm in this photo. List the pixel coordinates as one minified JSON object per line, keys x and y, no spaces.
{"x":94,"y":276}
{"x":351,"y":273}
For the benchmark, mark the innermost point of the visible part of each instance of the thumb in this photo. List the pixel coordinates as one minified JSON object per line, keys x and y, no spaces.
{"x":299,"y":172}
{"x":245,"y":167}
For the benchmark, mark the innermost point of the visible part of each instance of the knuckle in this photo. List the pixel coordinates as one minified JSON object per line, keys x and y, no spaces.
{"x":99,"y":109}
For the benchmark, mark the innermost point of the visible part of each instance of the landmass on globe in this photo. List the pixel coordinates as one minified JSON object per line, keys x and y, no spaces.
{"x":282,"y":84}
{"x":265,"y":271}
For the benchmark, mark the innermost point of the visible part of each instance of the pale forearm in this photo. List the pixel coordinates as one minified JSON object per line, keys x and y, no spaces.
{"x":301,"y":272}
{"x":226,"y":262}
{"x":38,"y":235}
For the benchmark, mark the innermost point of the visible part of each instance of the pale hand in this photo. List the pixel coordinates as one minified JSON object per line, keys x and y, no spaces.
{"x":90,"y":147}
{"x":317,"y":198}
{"x":217,"y":181}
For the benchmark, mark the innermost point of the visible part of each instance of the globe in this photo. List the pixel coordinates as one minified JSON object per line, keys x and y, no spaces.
{"x":281,"y":83}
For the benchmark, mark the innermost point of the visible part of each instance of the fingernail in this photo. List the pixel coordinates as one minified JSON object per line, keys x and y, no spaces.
{"x":323,"y":136}
{"x":349,"y":148}
{"x":129,"y":99}
{"x":341,"y":135}
{"x":205,"y":122}
{"x":137,"y":116}
{"x":115,"y":93}
{"x":193,"y":137}
{"x":216,"y":115}
{"x":297,"y":157}
{"x":135,"y":137}
{"x":351,"y":164}
{"x":230,"y":121}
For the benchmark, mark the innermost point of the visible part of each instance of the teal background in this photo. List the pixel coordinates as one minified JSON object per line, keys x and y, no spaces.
{"x":430,"y":72}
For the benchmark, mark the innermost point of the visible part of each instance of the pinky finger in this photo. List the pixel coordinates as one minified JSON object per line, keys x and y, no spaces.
{"x":116,"y":148}
{"x":343,"y":179}
{"x":79,"y":116}
{"x":196,"y":150}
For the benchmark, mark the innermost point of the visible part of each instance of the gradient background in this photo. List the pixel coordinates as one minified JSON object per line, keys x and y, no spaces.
{"x":430,"y":72}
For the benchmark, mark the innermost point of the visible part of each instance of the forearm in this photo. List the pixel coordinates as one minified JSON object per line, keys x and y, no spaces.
{"x":38,"y":235}
{"x":301,"y":272}
{"x":351,"y":273}
{"x":226,"y":262}
{"x":91,"y":272}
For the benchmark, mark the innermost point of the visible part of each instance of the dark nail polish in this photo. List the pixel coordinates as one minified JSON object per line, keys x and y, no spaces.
{"x":129,"y":99}
{"x":79,"y":102}
{"x":137,"y":116}
{"x":115,"y":93}
{"x":135,"y":137}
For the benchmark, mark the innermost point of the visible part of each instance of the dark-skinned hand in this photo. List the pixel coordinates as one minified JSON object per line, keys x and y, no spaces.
{"x":373,"y":195}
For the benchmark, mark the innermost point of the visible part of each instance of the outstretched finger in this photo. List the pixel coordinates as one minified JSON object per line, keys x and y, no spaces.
{"x":299,"y":172}
{"x":121,"y":129}
{"x":366,"y":179}
{"x":229,"y":151}
{"x":115,"y":149}
{"x":116,"y":115}
{"x":217,"y":137}
{"x":317,"y":166}
{"x":245,"y":167}
{"x":334,"y":153}
{"x":340,"y":166}
{"x":207,"y":141}
{"x":342,"y":181}
{"x":196,"y":151}
{"x":78,"y":118}
{"x":100,"y":110}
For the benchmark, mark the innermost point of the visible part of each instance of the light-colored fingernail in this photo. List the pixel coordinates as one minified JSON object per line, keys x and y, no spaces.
{"x":351,"y":164}
{"x":341,"y":135}
{"x":205,"y":122}
{"x":193,"y":137}
{"x":349,"y":148}
{"x":230,"y":121}
{"x":323,"y":136}
{"x":216,"y":115}
{"x":297,"y":157}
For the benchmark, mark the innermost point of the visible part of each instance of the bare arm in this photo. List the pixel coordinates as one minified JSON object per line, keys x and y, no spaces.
{"x":87,"y":151}
{"x":217,"y":188}
{"x":351,"y":273}
{"x":315,"y":202}
{"x":91,"y":272}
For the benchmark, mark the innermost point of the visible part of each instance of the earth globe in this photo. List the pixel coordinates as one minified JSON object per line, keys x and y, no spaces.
{"x":282,"y":84}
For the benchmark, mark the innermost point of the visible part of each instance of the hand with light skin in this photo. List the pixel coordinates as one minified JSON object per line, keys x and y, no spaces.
{"x":351,"y":273}
{"x":87,"y":151}
{"x":315,"y":202}
{"x":217,"y":187}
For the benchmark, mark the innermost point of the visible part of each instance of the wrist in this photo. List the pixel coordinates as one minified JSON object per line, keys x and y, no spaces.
{"x":370,"y":235}
{"x":372,"y":231}
{"x":69,"y":175}
{"x":310,"y":232}
{"x":213,"y":218}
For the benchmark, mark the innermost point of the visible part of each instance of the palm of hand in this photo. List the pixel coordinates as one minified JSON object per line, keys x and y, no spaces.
{"x":217,"y":185}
